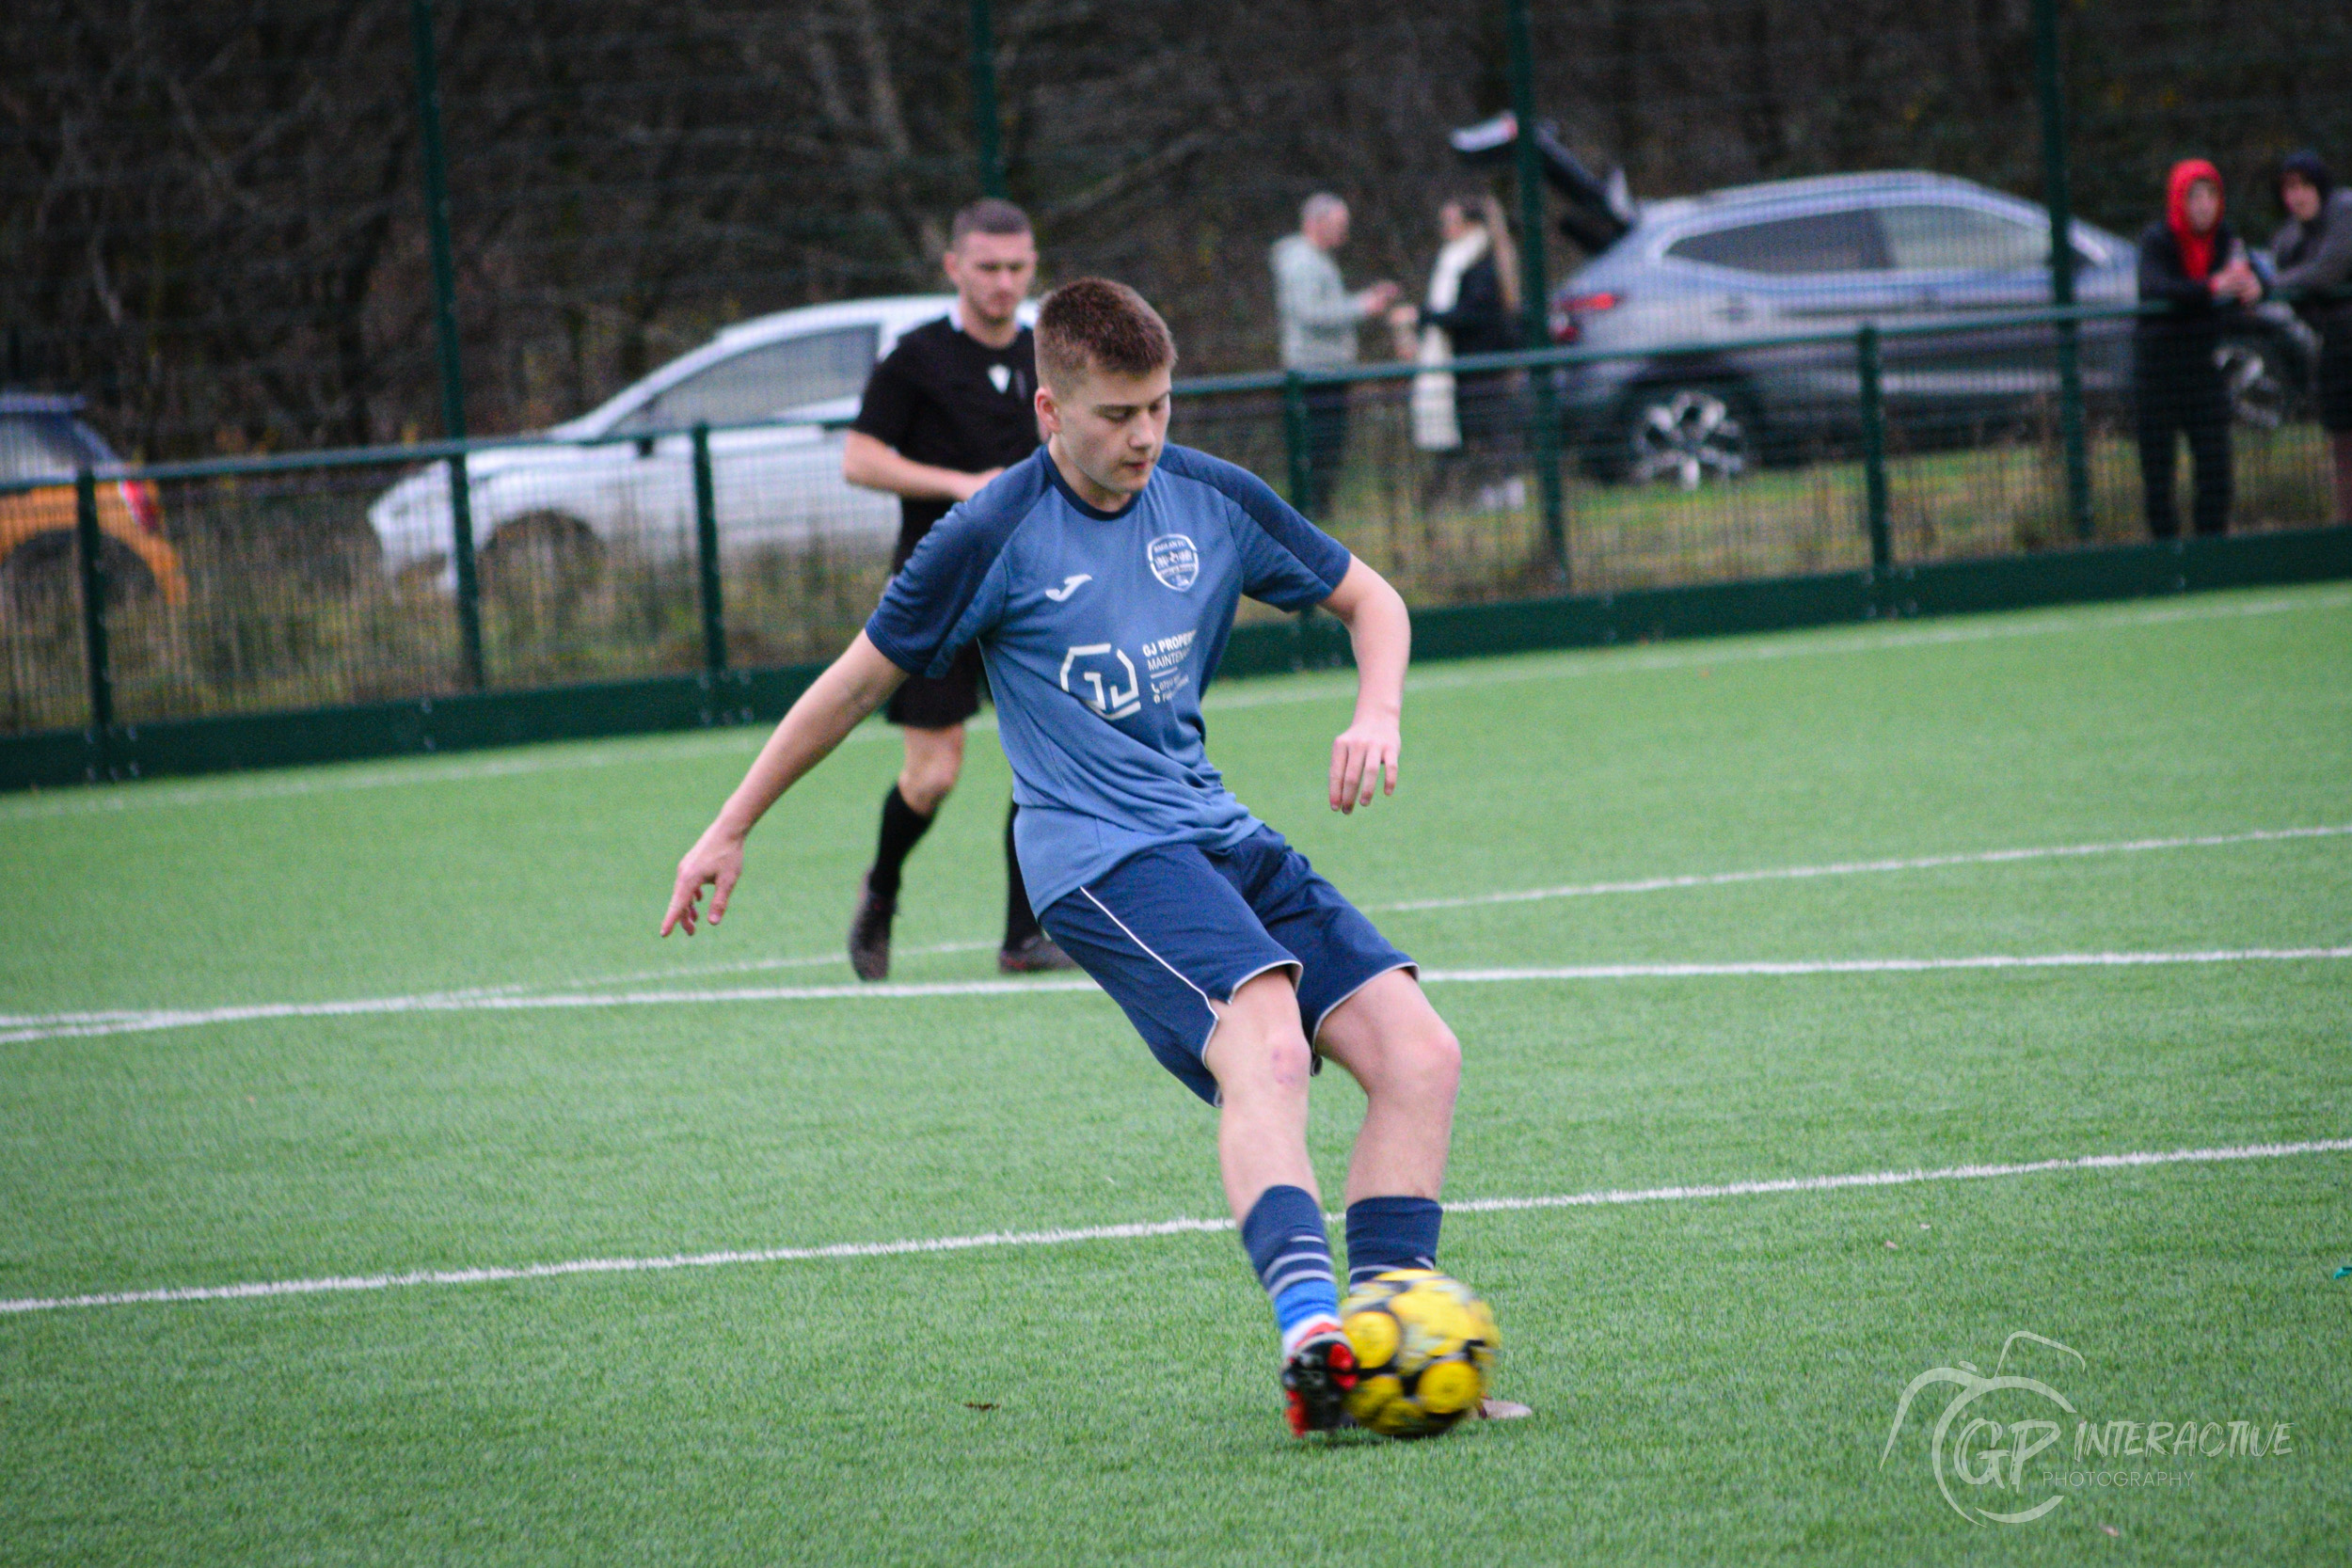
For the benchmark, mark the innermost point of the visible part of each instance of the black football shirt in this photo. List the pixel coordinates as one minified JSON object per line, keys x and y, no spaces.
{"x":942,"y":397}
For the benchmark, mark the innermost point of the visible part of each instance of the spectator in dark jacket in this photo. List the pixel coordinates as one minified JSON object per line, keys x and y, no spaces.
{"x":2314,"y":255}
{"x":2192,"y":264}
{"x":1472,"y":308}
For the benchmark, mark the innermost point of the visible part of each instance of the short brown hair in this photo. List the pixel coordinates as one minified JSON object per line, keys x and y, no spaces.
{"x":988,"y":215}
{"x":1096,"y":324}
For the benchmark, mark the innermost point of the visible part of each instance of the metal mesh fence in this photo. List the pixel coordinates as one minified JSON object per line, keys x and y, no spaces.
{"x":282,"y":608}
{"x":336,"y":582}
{"x":257,"y":585}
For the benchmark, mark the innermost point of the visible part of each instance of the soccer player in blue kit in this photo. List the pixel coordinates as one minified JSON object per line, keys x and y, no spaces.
{"x":1099,"y":579}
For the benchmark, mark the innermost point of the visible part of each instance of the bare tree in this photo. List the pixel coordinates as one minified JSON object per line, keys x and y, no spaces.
{"x":210,"y":219}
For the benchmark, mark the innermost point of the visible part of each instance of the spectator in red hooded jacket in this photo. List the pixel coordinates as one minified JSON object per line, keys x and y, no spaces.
{"x":2194,"y":266}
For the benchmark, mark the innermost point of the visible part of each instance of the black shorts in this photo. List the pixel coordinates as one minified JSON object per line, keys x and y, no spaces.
{"x":924,"y":703}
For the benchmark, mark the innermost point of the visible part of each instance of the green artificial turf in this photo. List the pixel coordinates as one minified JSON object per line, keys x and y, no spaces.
{"x":1714,"y":1377}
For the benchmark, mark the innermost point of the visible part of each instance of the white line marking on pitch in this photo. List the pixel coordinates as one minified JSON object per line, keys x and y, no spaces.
{"x":1559,"y":665}
{"x":452,"y":1002}
{"x":462,"y":1002}
{"x":1700,"y":654}
{"x":747,"y":966}
{"x":333,"y":1284}
{"x":1885,"y":966}
{"x":1854,"y":868}
{"x":1587,"y":890}
{"x":472,"y":993}
{"x":741,"y":738}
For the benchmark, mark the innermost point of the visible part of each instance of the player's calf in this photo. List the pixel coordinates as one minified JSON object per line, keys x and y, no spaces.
{"x":1258,"y":1057}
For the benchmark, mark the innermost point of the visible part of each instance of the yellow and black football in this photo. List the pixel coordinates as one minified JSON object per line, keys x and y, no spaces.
{"x":1425,"y":1349}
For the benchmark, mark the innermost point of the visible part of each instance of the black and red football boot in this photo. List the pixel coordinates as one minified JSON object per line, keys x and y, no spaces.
{"x":1315,"y":1382}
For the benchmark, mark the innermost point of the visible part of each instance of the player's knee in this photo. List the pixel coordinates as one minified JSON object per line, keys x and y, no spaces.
{"x":1427,"y":1061}
{"x":926,"y":787}
{"x":1438,"y":1055}
{"x":1290,"y":1061}
{"x":1271,"y":1067}
{"x":930,"y":772}
{"x":1273,"y":1050}
{"x":1258,"y":1048}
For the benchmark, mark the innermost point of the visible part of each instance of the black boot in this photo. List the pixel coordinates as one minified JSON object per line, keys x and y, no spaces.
{"x":869,"y":933}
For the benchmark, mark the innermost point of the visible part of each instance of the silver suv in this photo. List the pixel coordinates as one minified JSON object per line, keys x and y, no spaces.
{"x":1717,"y":274}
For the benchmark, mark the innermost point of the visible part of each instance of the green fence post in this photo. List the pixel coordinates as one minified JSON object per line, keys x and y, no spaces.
{"x":89,"y":547}
{"x":1535,"y":301}
{"x":1295,"y":433}
{"x":2058,"y":197}
{"x":984,"y":128}
{"x":706,"y":555}
{"x":1874,"y":452}
{"x":437,"y":219}
{"x":468,"y":580}
{"x":445,"y":333}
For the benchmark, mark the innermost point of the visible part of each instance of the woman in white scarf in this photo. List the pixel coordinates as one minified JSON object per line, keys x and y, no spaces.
{"x":1473,"y":303}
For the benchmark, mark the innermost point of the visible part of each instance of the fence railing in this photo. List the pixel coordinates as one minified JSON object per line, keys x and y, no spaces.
{"x":316,"y":579}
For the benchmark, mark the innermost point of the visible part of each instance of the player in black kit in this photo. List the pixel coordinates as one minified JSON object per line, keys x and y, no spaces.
{"x":945,"y":411}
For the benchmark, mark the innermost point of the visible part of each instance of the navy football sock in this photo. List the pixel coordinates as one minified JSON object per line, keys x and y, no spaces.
{"x":1385,"y":1233}
{"x":1285,"y":1238}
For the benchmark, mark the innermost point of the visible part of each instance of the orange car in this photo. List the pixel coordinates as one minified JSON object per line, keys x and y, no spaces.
{"x":40,"y":438}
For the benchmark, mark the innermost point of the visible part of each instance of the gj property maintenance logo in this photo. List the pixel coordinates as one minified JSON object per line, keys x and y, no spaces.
{"x":2009,"y":1449}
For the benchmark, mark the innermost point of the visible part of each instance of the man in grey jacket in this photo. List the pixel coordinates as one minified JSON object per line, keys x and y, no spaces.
{"x":1319,"y":322}
{"x":2314,"y":255}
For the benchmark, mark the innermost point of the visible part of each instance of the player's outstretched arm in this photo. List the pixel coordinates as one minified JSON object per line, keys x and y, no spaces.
{"x":1364,"y":757}
{"x":853,"y":686}
{"x":872,"y":464}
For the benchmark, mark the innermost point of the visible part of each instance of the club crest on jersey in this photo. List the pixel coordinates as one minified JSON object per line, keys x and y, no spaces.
{"x":1174,"y":561}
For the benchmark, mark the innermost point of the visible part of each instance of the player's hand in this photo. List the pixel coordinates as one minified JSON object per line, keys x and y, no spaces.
{"x":716,"y":862}
{"x":1363,"y":762}
{"x":2237,"y":281}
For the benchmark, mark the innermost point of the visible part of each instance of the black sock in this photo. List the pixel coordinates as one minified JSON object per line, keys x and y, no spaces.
{"x":1019,"y":920}
{"x":902,"y":829}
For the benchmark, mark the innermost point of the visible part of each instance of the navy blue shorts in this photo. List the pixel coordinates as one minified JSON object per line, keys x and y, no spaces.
{"x":1168,"y":929}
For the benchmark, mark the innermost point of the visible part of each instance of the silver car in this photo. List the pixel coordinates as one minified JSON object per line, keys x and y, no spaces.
{"x":1713,"y":276}
{"x":611,"y":479}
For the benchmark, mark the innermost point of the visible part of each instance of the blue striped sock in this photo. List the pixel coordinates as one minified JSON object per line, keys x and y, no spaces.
{"x":1385,"y":1233}
{"x":1285,"y":1240}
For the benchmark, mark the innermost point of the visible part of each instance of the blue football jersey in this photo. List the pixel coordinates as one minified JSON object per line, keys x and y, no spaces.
{"x":1098,"y":629}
